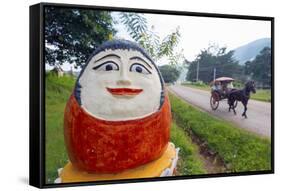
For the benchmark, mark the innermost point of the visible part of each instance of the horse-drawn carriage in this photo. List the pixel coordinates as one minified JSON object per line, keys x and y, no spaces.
{"x":221,"y":87}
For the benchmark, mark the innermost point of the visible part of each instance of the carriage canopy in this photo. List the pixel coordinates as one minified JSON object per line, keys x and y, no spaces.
{"x":222,"y":79}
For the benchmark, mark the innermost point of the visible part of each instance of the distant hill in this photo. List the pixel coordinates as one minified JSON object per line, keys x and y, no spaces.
{"x":250,"y":50}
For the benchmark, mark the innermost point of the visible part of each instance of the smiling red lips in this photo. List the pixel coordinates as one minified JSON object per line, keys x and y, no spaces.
{"x":124,"y":91}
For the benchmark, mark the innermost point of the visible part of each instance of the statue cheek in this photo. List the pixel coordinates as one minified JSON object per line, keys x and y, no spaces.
{"x":105,"y":79}
{"x":149,"y":81}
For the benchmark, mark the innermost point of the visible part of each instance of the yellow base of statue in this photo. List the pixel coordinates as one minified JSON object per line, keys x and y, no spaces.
{"x":163,"y":166}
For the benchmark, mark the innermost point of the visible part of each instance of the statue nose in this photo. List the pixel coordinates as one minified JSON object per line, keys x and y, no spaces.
{"x":124,"y":80}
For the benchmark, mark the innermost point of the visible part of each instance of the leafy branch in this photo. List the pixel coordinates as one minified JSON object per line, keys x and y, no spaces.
{"x":136,"y":26}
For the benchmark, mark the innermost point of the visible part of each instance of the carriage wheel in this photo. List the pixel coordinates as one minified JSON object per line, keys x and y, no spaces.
{"x":214,"y":102}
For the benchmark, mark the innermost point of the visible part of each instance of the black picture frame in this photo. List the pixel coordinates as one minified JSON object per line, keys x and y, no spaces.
{"x":37,"y":94}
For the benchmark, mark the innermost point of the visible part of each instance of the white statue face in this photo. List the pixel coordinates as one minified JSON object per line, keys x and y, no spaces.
{"x":120,"y":85}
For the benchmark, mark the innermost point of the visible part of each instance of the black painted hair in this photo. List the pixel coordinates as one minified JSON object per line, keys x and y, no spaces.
{"x":114,"y":45}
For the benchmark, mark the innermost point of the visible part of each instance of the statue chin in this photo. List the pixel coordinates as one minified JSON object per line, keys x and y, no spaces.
{"x":118,"y":113}
{"x":120,"y":108}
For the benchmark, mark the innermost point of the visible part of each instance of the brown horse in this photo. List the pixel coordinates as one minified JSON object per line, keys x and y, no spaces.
{"x":241,"y":95}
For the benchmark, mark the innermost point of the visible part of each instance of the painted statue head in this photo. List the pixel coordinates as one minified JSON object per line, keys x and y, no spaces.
{"x":120,"y":82}
{"x":119,"y":114}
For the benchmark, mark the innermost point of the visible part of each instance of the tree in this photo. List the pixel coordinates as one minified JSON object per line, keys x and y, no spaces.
{"x":169,"y":73}
{"x":213,"y":60}
{"x":136,"y":26}
{"x":260,"y":68}
{"x":72,"y":34}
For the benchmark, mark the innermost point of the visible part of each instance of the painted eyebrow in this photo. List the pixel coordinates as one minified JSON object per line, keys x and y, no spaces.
{"x":108,"y":55}
{"x":96,"y":67}
{"x":136,"y":57}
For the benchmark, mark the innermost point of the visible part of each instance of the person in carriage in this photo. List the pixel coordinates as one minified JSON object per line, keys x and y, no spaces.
{"x":227,"y":87}
{"x":223,"y":86}
{"x":217,"y":86}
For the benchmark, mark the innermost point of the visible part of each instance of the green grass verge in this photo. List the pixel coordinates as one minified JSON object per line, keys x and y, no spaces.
{"x":260,"y":95}
{"x":206,"y":88}
{"x":240,"y":149}
{"x":58,"y":91}
{"x":189,"y":162}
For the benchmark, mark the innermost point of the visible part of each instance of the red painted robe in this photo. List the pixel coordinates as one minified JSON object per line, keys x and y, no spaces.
{"x":102,"y":146}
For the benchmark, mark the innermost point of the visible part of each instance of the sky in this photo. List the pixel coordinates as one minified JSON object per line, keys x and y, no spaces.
{"x":198,"y":32}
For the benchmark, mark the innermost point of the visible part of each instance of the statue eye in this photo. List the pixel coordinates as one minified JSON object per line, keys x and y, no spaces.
{"x":139,"y":68}
{"x":107,"y":66}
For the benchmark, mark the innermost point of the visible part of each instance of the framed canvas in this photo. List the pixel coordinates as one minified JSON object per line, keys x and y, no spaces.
{"x":120,"y":95}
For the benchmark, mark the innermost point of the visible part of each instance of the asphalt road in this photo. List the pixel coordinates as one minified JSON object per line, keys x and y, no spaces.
{"x":259,"y":113}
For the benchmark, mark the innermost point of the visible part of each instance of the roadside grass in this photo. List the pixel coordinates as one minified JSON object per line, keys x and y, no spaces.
{"x":260,"y":95}
{"x":197,"y":86}
{"x":189,"y":162}
{"x":58,"y":91}
{"x":240,"y":149}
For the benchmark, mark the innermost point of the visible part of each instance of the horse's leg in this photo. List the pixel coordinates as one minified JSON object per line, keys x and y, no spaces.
{"x":233,"y":109}
{"x":245,"y":109}
{"x":229,"y":103}
{"x":231,"y":106}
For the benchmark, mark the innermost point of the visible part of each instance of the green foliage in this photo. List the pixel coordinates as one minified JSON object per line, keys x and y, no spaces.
{"x":189,"y":162}
{"x":58,"y":90}
{"x":198,"y":85}
{"x":169,"y":73}
{"x":262,"y":95}
{"x":238,"y":84}
{"x":136,"y":26}
{"x":210,"y":59}
{"x":168,"y":44}
{"x":260,"y":68}
{"x":240,"y":149}
{"x":150,"y":42}
{"x":72,"y":34}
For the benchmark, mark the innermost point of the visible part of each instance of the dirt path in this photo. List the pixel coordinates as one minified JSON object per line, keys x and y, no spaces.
{"x":259,"y":113}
